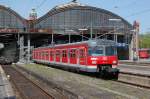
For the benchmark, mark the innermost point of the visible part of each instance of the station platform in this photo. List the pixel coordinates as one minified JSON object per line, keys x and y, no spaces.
{"x":139,"y":61}
{"x":6,"y":91}
{"x":135,"y":69}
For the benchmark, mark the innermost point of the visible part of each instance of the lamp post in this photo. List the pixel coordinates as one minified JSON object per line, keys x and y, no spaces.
{"x":136,"y":40}
{"x":29,"y":48}
{"x":69,"y":34}
{"x":114,"y":27}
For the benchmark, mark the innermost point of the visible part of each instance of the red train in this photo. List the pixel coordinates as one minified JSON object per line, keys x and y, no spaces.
{"x":144,"y":53}
{"x":89,"y":56}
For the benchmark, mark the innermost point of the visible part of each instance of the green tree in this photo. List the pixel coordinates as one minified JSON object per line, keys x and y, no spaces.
{"x":144,"y":40}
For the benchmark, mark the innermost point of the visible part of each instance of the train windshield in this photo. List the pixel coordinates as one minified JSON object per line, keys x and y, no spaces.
{"x":101,"y":51}
{"x":110,"y":50}
{"x":96,"y":51}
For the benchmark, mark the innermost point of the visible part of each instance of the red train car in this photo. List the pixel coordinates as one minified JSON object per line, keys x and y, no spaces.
{"x":144,"y":53}
{"x":89,"y":56}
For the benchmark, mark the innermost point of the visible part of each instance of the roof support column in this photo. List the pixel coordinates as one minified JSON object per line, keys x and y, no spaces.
{"x":29,"y":54}
{"x":21,"y":47}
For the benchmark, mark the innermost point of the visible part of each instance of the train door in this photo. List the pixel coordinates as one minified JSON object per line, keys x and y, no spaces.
{"x":47,"y":55}
{"x":40,"y":57}
{"x":52,"y":55}
{"x":37,"y":57}
{"x":82,"y":56}
{"x":73,"y":56}
{"x":44,"y":55}
{"x":58,"y":55}
{"x":64,"y":56}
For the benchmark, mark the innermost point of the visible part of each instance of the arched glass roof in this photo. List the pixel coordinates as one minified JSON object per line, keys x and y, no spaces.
{"x":10,"y":20}
{"x":75,"y":15}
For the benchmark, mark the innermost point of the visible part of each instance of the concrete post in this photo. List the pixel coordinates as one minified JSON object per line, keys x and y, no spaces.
{"x":29,"y":49}
{"x":21,"y":48}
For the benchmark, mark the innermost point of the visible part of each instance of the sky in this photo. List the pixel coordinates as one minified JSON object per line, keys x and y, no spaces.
{"x":130,"y":10}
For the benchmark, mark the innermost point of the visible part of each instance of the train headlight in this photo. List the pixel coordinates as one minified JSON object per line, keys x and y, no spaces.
{"x":94,"y":62}
{"x":114,"y":62}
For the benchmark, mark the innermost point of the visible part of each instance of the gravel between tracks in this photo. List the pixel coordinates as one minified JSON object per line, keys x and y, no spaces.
{"x":89,"y":87}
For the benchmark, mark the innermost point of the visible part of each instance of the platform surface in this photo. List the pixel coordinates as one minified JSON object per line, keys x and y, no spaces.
{"x":6,"y":91}
{"x":136,"y":69}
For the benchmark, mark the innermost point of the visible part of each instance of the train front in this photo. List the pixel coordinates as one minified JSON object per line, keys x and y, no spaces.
{"x":103,"y":55}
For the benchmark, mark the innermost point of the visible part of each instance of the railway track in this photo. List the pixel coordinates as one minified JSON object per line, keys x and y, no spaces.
{"x":61,"y":93}
{"x":127,"y":78}
{"x":26,"y":88}
{"x":134,"y":79}
{"x":135,"y":73}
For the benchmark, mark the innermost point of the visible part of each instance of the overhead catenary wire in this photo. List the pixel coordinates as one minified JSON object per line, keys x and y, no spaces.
{"x":40,"y":5}
{"x":127,"y":5}
{"x":138,"y":13}
{"x":135,"y":13}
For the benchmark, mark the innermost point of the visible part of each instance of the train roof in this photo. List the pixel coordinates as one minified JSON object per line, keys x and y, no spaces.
{"x":100,"y":42}
{"x":91,"y":43}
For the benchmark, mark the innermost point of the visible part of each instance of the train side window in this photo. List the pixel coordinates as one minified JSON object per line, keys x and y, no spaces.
{"x":73,"y":53}
{"x":51,"y":53}
{"x":81,"y":53}
{"x":42,"y":54}
{"x":39,"y":53}
{"x":57,"y":53}
{"x":46,"y":53}
{"x":36,"y":54}
{"x":70,"y":53}
{"x":64,"y":53}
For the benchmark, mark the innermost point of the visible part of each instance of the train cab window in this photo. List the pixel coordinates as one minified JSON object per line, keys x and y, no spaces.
{"x":96,"y":51}
{"x":110,"y":50}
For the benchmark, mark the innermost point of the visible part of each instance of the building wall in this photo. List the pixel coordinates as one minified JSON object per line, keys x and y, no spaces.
{"x":10,"y":20}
